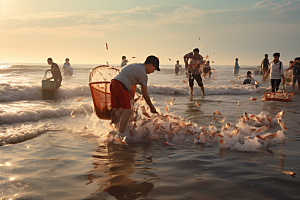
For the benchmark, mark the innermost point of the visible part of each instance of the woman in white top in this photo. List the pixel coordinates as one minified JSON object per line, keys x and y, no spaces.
{"x":68,"y":71}
{"x":276,"y":72}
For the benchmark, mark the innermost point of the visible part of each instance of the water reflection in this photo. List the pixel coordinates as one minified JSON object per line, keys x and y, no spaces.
{"x":193,"y":110}
{"x":273,"y":159}
{"x":118,"y":171}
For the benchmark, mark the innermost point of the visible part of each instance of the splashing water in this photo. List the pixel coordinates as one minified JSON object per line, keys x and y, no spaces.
{"x":171,"y":129}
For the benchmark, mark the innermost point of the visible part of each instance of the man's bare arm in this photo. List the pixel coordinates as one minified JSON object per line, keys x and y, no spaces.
{"x":185,"y":58}
{"x":147,"y":99}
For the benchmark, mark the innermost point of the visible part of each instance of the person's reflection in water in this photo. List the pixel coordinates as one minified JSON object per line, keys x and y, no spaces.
{"x":193,"y":110}
{"x":120,"y":164}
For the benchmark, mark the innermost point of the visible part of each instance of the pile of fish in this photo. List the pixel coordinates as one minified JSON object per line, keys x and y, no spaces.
{"x":279,"y":96}
{"x":248,"y":134}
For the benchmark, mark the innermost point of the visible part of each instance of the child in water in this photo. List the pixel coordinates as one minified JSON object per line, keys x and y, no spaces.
{"x":248,"y":79}
{"x":68,"y":71}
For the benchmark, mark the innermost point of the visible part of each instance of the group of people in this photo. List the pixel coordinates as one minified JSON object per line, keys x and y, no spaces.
{"x":137,"y":73}
{"x":55,"y":71}
{"x":275,"y":70}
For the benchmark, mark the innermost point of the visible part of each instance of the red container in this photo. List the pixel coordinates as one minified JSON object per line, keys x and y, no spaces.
{"x":99,"y":82}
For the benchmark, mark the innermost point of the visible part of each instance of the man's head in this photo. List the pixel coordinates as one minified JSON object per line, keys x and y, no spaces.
{"x":236,"y":59}
{"x":276,"y":57}
{"x":67,"y":60}
{"x":50,"y":61}
{"x":291,"y":62}
{"x":266,"y":56}
{"x":151,"y":64}
{"x":207,"y":62}
{"x":196,"y":51}
{"x":297,"y":59}
{"x":248,"y":73}
{"x":177,"y":61}
{"x":123,"y":57}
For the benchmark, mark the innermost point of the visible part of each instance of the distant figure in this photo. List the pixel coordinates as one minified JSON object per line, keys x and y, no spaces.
{"x":193,"y":63}
{"x":177,"y":67}
{"x":207,"y":69}
{"x":68,"y":71}
{"x":296,"y":72}
{"x":276,"y":72}
{"x":56,"y":75}
{"x":265,"y":64}
{"x":124,"y":61}
{"x":248,"y":79}
{"x":236,"y":68}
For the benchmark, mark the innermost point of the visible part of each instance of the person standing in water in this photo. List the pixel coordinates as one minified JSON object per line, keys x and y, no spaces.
{"x":236,"y":68}
{"x":177,"y":67}
{"x":68,"y":71}
{"x":56,"y":75}
{"x":207,"y":69}
{"x":124,"y":61}
{"x":296,"y":72}
{"x":265,"y":64}
{"x":121,"y":85}
{"x":194,"y":62}
{"x":276,"y":72}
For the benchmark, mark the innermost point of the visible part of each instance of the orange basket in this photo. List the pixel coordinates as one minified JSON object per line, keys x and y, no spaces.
{"x":99,"y":82}
{"x":277,"y":96}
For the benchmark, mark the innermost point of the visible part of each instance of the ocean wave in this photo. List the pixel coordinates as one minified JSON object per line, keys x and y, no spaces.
{"x":13,"y":135}
{"x":9,"y":92}
{"x":209,"y":89}
{"x":36,"y":114}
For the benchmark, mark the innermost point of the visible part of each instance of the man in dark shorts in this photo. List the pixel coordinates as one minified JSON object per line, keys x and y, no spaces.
{"x":121,"y":85}
{"x":56,"y":75}
{"x":265,"y":65}
{"x":296,"y":72}
{"x":194,"y":62}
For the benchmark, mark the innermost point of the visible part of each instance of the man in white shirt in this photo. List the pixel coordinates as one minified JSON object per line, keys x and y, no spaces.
{"x":177,"y":67}
{"x":276,"y":72}
{"x":121,"y":85}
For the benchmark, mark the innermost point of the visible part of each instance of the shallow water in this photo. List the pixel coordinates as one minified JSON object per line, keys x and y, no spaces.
{"x":47,"y":154}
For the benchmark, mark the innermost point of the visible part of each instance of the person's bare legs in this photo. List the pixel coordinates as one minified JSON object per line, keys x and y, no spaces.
{"x":124,"y":119}
{"x":202,"y":88}
{"x":294,"y":86}
{"x":192,"y":90}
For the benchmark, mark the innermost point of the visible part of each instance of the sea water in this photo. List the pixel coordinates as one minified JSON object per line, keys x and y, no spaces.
{"x":47,"y":154}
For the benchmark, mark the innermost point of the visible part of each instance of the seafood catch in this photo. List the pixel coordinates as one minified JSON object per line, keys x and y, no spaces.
{"x":249,"y":134}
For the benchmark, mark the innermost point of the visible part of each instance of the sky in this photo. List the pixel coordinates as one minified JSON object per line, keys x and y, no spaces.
{"x":33,"y":30}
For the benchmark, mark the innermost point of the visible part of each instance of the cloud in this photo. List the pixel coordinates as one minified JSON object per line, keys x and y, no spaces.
{"x":63,"y":31}
{"x":97,"y":23}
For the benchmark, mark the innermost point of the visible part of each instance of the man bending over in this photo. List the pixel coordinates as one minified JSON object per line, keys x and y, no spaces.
{"x":121,"y":85}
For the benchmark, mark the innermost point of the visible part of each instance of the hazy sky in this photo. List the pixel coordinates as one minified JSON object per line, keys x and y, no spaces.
{"x":33,"y":30}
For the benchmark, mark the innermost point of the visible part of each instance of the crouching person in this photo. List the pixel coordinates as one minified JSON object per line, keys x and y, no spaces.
{"x":129,"y":76}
